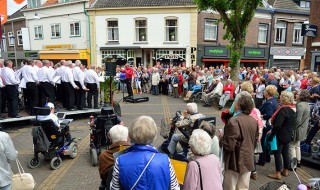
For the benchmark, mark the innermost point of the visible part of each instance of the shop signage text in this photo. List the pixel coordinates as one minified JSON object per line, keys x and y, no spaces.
{"x":11,"y":55}
{"x":309,"y":30}
{"x":214,"y":51}
{"x":59,"y":46}
{"x":31,"y":54}
{"x":171,"y":56}
{"x":254,"y":52}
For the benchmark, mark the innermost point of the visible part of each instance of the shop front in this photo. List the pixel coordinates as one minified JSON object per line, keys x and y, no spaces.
{"x":212,"y":56}
{"x":315,"y":61}
{"x":20,"y":56}
{"x":287,"y":57}
{"x":56,"y":53}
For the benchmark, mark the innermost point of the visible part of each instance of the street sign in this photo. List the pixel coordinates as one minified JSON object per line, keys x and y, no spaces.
{"x":309,"y":30}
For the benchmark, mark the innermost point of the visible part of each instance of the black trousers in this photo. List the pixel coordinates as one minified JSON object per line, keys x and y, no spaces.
{"x":4,"y":99}
{"x":80,"y":96}
{"x":93,"y":91}
{"x":69,"y":95}
{"x":283,"y":149}
{"x":46,"y":92}
{"x":12,"y":99}
{"x":32,"y":96}
{"x":264,"y":156}
{"x":25,"y":98}
{"x":129,"y":87}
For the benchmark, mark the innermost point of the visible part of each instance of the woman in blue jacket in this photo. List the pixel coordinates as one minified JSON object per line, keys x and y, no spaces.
{"x":143,"y":167}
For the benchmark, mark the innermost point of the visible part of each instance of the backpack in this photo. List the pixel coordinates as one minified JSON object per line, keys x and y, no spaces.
{"x":40,"y":140}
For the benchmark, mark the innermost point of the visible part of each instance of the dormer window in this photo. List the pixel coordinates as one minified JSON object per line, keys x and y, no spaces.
{"x":305,"y":4}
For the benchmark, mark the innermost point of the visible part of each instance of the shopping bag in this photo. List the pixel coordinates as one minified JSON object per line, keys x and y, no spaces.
{"x":180,"y":169}
{"x":22,"y":180}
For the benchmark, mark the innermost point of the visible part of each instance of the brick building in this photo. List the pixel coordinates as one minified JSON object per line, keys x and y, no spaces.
{"x":313,"y":43}
{"x":275,"y":28}
{"x":15,"y":39}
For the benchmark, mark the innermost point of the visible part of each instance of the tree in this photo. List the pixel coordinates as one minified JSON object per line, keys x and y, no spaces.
{"x":236,"y":16}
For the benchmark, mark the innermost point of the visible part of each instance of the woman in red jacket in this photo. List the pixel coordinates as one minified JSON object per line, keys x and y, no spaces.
{"x":228,"y":92}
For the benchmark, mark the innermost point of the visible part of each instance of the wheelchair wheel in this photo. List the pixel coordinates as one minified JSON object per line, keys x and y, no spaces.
{"x":94,"y":157}
{"x":34,"y":163}
{"x":56,"y":163}
{"x":73,"y":150}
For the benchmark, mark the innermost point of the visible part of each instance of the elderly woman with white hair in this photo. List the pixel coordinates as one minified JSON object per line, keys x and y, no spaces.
{"x":283,"y":121}
{"x":118,"y":136}
{"x":143,"y":167}
{"x":228,"y":93}
{"x":195,"y":89}
{"x":205,"y":171}
{"x":189,"y":116}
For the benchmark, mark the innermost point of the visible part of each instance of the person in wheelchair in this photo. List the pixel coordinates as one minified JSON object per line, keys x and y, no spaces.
{"x":195,"y":89}
{"x":106,"y":111}
{"x":189,"y":116}
{"x":118,"y":136}
{"x":52,"y":116}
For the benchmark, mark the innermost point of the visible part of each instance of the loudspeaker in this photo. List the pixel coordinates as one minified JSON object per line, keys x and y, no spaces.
{"x":110,"y":68}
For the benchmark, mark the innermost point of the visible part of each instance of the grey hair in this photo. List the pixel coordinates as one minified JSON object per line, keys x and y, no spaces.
{"x":192,"y":108}
{"x":118,"y":133}
{"x":244,"y":101}
{"x":143,"y":130}
{"x":201,"y":142}
{"x":45,"y":62}
{"x":77,"y":62}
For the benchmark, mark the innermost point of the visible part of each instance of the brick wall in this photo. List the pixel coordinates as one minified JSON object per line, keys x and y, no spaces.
{"x":17,"y":25}
{"x":314,"y":20}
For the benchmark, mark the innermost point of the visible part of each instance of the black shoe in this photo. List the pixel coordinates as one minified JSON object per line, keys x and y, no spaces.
{"x":260,"y":164}
{"x":72,"y":109}
{"x":17,"y":116}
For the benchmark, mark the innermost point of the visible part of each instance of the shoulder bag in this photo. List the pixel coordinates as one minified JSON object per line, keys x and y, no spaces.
{"x":134,"y":185}
{"x":199,"y":174}
{"x":22,"y":180}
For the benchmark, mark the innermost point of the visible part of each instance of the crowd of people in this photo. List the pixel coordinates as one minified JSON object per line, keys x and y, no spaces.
{"x":71,"y":84}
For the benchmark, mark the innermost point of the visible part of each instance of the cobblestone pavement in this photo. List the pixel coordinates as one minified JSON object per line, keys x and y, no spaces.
{"x":79,"y":174}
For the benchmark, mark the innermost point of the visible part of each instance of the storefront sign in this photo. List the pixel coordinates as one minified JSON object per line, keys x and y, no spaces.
{"x":254,"y":52}
{"x":83,"y":54}
{"x":309,"y":30}
{"x":59,"y":46}
{"x":171,"y":56}
{"x":31,"y":54}
{"x":214,"y":51}
{"x":11,"y":55}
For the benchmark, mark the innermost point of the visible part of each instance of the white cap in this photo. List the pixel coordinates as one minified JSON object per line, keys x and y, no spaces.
{"x":50,"y":105}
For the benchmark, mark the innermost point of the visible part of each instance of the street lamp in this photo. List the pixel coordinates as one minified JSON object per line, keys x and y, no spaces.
{"x":36,"y":16}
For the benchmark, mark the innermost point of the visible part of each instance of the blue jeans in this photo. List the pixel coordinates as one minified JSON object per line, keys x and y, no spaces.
{"x":155,"y":89}
{"x":173,"y":143}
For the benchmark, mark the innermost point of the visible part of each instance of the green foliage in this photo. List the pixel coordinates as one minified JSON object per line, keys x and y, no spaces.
{"x":236,"y":16}
{"x":105,"y":87}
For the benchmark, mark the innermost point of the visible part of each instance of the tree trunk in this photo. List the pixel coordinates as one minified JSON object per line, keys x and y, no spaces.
{"x":235,"y":60}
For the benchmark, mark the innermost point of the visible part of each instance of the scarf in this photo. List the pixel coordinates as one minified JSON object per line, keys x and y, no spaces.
{"x":292,"y":106}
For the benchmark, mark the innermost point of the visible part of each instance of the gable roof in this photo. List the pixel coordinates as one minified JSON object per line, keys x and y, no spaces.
{"x":140,"y":3}
{"x":18,"y":13}
{"x":288,"y":5}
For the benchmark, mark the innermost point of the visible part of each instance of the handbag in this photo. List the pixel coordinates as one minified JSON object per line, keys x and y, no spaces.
{"x":200,"y":174}
{"x":134,"y":185}
{"x":22,"y":180}
{"x":175,"y":85}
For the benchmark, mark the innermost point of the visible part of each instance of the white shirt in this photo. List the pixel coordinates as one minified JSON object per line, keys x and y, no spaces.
{"x":8,"y":77}
{"x":45,"y":75}
{"x":60,"y":71}
{"x":68,"y":77}
{"x":51,"y":116}
{"x":36,"y":68}
{"x":30,"y":74}
{"x":92,"y":77}
{"x":23,"y":70}
{"x":218,"y":89}
{"x":79,"y":75}
{"x":260,"y":91}
{"x":7,"y":155}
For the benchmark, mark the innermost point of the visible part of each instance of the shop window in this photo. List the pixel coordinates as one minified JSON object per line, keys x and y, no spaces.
{"x":210,"y":29}
{"x":263,"y":33}
{"x":10,"y":37}
{"x":75,"y":29}
{"x":297,"y":37}
{"x":171,"y":30}
{"x":33,"y":3}
{"x":141,"y":30}
{"x":19,"y":38}
{"x":38,"y":32}
{"x":305,"y":4}
{"x":55,"y":31}
{"x":113,"y":30}
{"x":280,"y":32}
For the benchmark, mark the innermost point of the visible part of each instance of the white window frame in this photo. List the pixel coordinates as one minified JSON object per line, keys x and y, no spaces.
{"x":34,"y":3}
{"x":10,"y":34}
{"x":305,"y":4}
{"x":112,"y":31}
{"x":73,"y":25}
{"x":37,"y":30}
{"x":297,"y":33}
{"x":263,"y":31}
{"x":19,"y":35}
{"x":4,"y":45}
{"x":281,"y":31}
{"x":55,"y":26}
{"x":168,"y":36}
{"x":210,"y":29}
{"x":138,"y":30}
